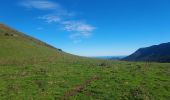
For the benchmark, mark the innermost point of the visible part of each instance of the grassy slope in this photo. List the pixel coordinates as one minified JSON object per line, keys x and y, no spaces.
{"x":30,"y":69}
{"x":22,"y":49}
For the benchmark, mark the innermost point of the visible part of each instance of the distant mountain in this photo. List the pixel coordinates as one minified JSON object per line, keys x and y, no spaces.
{"x":117,"y":57}
{"x":110,"y":57}
{"x":155,"y":53}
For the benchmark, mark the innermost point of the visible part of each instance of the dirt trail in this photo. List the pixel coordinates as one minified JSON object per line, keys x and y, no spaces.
{"x":75,"y":90}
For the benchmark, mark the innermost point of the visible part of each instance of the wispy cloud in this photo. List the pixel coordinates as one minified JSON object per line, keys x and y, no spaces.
{"x":60,"y":16}
{"x":50,"y":18}
{"x":80,"y":29}
{"x":39,"y":4}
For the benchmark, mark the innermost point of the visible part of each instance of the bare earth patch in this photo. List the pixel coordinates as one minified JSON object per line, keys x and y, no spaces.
{"x":75,"y":90}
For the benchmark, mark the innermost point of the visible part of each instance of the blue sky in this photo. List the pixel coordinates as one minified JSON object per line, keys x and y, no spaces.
{"x":91,"y":27}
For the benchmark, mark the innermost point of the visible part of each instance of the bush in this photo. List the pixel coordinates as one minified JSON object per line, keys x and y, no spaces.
{"x":8,"y":34}
{"x":60,"y":50}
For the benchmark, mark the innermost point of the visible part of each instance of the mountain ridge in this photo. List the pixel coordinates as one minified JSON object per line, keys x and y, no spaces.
{"x":154,"y":53}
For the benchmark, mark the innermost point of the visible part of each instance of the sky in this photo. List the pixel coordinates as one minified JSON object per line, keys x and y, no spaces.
{"x":91,"y":27}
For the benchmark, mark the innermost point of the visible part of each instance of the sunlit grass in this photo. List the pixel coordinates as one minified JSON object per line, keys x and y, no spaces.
{"x":32,"y":70}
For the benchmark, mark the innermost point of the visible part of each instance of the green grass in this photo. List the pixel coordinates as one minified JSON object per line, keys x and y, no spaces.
{"x":118,"y":80}
{"x":32,"y":70}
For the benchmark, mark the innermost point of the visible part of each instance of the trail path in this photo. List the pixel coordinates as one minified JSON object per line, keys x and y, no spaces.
{"x":77,"y":89}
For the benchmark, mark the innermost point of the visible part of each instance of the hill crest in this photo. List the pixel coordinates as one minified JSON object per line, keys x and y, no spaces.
{"x":155,"y":53}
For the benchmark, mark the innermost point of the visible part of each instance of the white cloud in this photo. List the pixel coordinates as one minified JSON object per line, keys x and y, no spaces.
{"x":62,"y":17}
{"x":50,"y":18}
{"x":39,"y":4}
{"x":46,"y":5}
{"x":81,"y":29}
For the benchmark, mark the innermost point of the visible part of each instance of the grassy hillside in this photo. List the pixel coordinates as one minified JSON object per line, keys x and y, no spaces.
{"x":18,"y":48}
{"x":33,"y":70}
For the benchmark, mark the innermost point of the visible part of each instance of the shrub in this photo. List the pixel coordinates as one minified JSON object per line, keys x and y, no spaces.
{"x":60,"y":50}
{"x":8,"y":34}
